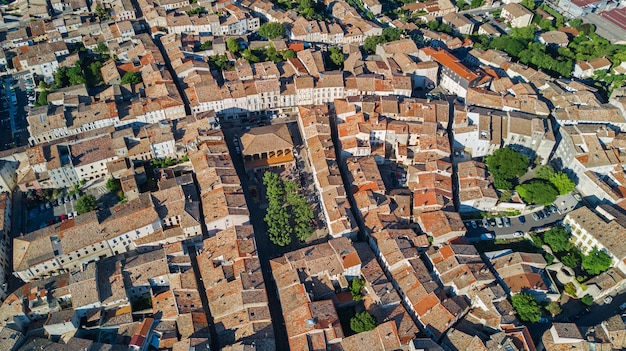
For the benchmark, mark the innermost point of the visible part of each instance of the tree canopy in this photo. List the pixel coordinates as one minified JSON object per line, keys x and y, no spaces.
{"x":232,"y":45}
{"x":388,"y":34}
{"x":336,"y":55}
{"x":113,"y":185}
{"x":587,"y":300}
{"x":85,"y":203}
{"x":272,"y":30}
{"x":526,"y":307}
{"x":506,"y":164}
{"x":537,"y":191}
{"x":288,"y":211}
{"x":544,"y":172}
{"x":557,"y":238}
{"x":596,"y":262}
{"x":562,"y":182}
{"x":356,"y":286}
{"x":131,"y":78}
{"x":362,"y":321}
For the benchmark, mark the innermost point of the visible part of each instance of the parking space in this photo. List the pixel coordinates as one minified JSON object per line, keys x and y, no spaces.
{"x":49,"y":213}
{"x":511,"y":227}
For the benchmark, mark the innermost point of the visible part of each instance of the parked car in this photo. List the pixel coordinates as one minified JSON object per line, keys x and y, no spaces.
{"x":546,"y":212}
{"x":487,"y":236}
{"x":608,"y":299}
{"x":70,"y":215}
{"x":622,"y":306}
{"x":522,"y":219}
{"x":552,"y":208}
{"x":499,"y":222}
{"x":66,"y":199}
{"x":535,"y":216}
{"x":518,"y":234}
{"x":543,"y":320}
{"x":492,"y":222}
{"x":485,"y":223}
{"x":473,"y":224}
{"x":48,"y":205}
{"x":540,"y":214}
{"x":507,"y":222}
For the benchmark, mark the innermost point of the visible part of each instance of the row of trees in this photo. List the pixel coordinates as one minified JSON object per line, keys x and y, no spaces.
{"x":288,"y":211}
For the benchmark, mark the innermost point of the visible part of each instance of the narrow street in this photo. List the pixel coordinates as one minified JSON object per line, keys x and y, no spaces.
{"x":202,"y":292}
{"x":265,"y":248}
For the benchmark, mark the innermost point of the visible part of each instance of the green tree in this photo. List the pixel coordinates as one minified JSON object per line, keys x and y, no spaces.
{"x":572,"y":259}
{"x":277,"y":220}
{"x":206,"y":45}
{"x":250,"y":56}
{"x":507,"y":164}
{"x":526,"y":307}
{"x":544,"y":172}
{"x":362,"y":321}
{"x":391,"y":34}
{"x":288,"y":53}
{"x":102,"y":48}
{"x":42,"y":99}
{"x":113,"y":185}
{"x":549,"y":258}
{"x":370,"y":42}
{"x":477,"y":3}
{"x":196,"y":11}
{"x":596,"y":262}
{"x":562,"y":182}
{"x":536,"y":239}
{"x":233,"y":45}
{"x":336,"y":55}
{"x":75,"y":74}
{"x":554,"y":308}
{"x":537,"y":191}
{"x":557,"y":238}
{"x":96,"y":75}
{"x":272,"y":54}
{"x":529,"y":4}
{"x":102,"y":13}
{"x":131,"y":78}
{"x":85,"y":203}
{"x":272,"y":30}
{"x":587,"y":300}
{"x":570,"y":289}
{"x":356,"y":286}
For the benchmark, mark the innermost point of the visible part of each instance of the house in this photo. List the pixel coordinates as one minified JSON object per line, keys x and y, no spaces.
{"x":442,"y":226}
{"x":453,"y":75}
{"x":586,"y":69}
{"x":520,"y":271}
{"x":488,"y":29}
{"x":602,"y":230}
{"x":554,"y":38}
{"x":373,"y":6}
{"x":476,"y":189}
{"x":459,"y":23}
{"x":89,"y":157}
{"x":516,"y":15}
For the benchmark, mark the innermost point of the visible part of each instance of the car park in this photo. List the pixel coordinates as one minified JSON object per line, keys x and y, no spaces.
{"x":518,"y":234}
{"x":507,"y":222}
{"x":499,"y":222}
